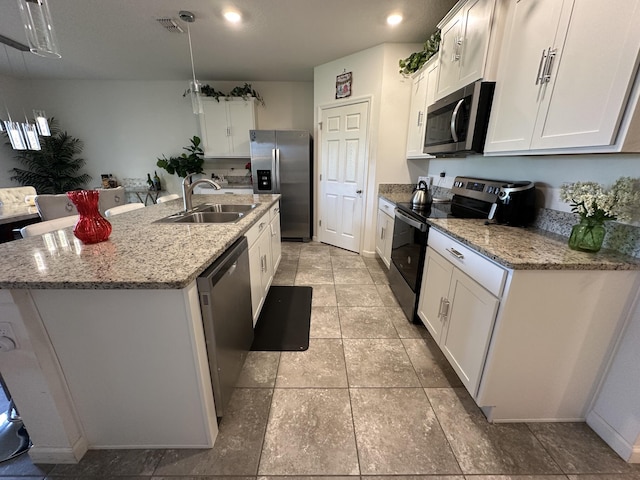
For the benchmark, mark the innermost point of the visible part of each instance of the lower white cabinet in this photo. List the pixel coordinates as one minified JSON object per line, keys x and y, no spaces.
{"x":265,"y":251}
{"x":384,"y":230}
{"x":459,"y":313}
{"x":528,"y":344}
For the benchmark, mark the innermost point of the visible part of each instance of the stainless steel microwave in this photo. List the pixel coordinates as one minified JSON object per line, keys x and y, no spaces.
{"x":457,"y":124}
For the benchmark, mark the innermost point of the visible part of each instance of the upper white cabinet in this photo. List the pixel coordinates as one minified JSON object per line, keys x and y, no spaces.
{"x":564,"y":78}
{"x":422,"y":95}
{"x":225,"y":126}
{"x":464,"y":43}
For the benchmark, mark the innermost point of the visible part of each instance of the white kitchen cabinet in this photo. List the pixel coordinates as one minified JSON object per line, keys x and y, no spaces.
{"x":458,"y":312}
{"x":265,"y":252}
{"x":384,"y":230}
{"x":225,"y":126}
{"x":276,"y":236}
{"x":464,"y":44}
{"x":566,"y":70}
{"x":422,"y":95}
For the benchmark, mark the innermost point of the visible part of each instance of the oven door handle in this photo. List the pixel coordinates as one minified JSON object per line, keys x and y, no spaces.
{"x":414,"y":223}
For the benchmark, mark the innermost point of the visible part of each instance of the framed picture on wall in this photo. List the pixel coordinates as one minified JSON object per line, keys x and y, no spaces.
{"x":343,"y":85}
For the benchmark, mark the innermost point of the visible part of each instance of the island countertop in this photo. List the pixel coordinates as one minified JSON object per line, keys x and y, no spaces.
{"x":139,"y":254}
{"x":529,"y":248}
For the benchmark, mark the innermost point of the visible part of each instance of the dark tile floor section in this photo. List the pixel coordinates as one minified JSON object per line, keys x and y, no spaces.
{"x":372,"y":397}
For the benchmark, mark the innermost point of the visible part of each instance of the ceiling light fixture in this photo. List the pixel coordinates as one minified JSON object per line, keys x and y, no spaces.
{"x":394,"y":19}
{"x":36,"y":18}
{"x":194,"y":86}
{"x":232,"y":16}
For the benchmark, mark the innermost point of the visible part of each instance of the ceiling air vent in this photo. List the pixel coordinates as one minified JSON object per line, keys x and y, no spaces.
{"x":170,"y":25}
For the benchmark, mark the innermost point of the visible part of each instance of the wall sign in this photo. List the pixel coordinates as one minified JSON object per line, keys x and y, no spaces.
{"x":343,"y":85}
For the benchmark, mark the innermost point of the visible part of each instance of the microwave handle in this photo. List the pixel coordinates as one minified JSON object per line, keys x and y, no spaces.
{"x":454,"y":119}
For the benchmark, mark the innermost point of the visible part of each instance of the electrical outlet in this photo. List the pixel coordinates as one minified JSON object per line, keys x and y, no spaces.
{"x":426,"y":180}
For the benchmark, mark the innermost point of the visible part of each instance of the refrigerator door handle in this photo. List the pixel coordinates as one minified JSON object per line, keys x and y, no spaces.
{"x":277,"y":168}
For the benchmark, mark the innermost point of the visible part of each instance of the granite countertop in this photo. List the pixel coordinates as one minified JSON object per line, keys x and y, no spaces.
{"x":529,"y":248}
{"x":138,"y":255}
{"x":523,"y":248}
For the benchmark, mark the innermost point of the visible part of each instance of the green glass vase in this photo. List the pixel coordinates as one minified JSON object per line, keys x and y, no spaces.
{"x":588,"y":235}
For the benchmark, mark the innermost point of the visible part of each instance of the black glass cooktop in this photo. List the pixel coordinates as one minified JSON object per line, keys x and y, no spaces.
{"x":434,"y":210}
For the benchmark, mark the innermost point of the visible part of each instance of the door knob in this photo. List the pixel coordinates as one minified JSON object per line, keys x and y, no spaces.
{"x":358,"y":192}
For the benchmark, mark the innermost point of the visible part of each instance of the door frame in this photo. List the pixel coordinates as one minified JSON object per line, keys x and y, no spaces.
{"x":368,"y":99}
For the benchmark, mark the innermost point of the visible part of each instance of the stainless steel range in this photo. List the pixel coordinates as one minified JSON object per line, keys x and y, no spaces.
{"x":472,"y":198}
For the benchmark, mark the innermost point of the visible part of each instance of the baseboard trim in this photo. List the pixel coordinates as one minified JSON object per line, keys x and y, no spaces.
{"x":59,"y":454}
{"x":617,"y":442}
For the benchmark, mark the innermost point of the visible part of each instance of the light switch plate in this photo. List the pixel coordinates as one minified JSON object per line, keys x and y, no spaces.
{"x":425,"y":179}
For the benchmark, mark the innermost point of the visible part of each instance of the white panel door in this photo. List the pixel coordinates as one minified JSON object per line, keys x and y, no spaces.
{"x":343,"y":161}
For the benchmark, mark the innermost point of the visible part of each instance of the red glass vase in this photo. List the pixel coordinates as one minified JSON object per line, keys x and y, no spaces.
{"x":91,"y":226}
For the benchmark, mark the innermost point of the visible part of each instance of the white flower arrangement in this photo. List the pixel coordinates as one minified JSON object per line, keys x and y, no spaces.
{"x":590,"y":200}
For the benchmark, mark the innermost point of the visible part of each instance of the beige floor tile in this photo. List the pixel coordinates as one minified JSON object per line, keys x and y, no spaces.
{"x":324,"y":296}
{"x":321,"y":366}
{"x":313,"y":277}
{"x":432,"y":367}
{"x":358,"y":296}
{"x":259,"y":370}
{"x":398,"y":434}
{"x":344,"y":261}
{"x":324,"y":322}
{"x":484,"y":448}
{"x":378,"y":363}
{"x":387,"y":296}
{"x":366,"y":322}
{"x":310,"y":432}
{"x":352,"y":276}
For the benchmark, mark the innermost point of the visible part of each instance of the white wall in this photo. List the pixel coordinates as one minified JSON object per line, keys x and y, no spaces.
{"x":375,"y":76}
{"x":12,"y":93}
{"x":127,"y":125}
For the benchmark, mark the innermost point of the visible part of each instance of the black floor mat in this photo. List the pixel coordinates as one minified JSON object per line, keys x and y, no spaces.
{"x":283,"y":324}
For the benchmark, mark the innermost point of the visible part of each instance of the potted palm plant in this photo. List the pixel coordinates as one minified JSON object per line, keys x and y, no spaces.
{"x":183,"y":165}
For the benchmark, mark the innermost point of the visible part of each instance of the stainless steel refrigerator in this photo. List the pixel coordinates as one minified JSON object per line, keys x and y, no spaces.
{"x":281,"y":162}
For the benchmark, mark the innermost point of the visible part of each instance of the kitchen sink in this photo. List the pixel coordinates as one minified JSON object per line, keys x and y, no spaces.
{"x":210,"y":217}
{"x":210,"y":213}
{"x":217,"y":207}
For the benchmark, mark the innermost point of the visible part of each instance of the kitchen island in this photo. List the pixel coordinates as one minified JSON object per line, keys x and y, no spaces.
{"x":110,"y":350}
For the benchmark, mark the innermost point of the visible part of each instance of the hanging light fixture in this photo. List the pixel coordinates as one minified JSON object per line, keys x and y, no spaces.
{"x":194,"y":85}
{"x":31,"y":135}
{"x":36,"y":18}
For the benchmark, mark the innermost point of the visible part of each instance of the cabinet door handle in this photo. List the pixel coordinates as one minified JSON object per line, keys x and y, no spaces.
{"x":546,"y":74}
{"x":263,"y":263}
{"x":455,"y":253}
{"x":420,"y":119}
{"x":543,"y":57}
{"x":440,"y":308}
{"x":445,"y":309}
{"x":382,"y":233}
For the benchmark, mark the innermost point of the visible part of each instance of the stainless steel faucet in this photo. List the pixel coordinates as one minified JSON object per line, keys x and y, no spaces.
{"x":188,"y":186}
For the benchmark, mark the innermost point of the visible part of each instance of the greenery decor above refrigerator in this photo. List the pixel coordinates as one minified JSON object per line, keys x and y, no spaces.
{"x":55,"y":168}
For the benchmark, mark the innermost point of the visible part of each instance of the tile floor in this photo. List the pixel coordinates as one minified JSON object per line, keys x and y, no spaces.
{"x":372,"y":396}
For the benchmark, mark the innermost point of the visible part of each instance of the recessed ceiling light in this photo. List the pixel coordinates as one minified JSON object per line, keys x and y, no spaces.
{"x":394,"y":19}
{"x":232,"y":16}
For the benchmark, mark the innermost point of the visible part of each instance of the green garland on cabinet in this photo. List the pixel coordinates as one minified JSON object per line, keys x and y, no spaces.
{"x":416,"y":60}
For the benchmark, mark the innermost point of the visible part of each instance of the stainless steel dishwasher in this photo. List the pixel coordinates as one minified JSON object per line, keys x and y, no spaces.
{"x":225,"y":300}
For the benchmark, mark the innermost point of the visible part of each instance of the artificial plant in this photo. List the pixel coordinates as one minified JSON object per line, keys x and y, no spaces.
{"x":55,"y":168}
{"x":183,"y":165}
{"x":413,"y":62}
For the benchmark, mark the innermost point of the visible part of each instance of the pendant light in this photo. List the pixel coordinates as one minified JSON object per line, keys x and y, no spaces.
{"x":194,"y":85}
{"x":36,"y":18}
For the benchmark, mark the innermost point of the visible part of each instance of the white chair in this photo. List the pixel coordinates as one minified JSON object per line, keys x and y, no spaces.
{"x":111,"y":197}
{"x":48,"y":226}
{"x":123,"y":208}
{"x":54,"y":206}
{"x":167,"y":198}
{"x":15,"y":195}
